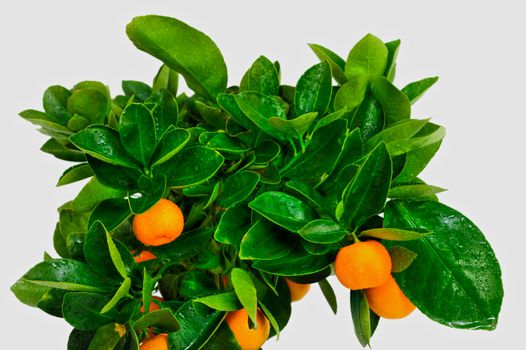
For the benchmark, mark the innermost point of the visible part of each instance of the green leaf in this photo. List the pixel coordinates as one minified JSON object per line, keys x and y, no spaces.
{"x":80,"y":340}
{"x":366,"y":194}
{"x":394,"y":234}
{"x":166,"y":79}
{"x":265,"y":241}
{"x":111,"y":213}
{"x":99,"y":255}
{"x":224,"y":143}
{"x":245,"y":291}
{"x":192,"y":166}
{"x":103,"y":143}
{"x":66,"y":274}
{"x":364,"y":320}
{"x":163,"y":319}
{"x":401,"y":258}
{"x":90,"y":103}
{"x":392,"y":54}
{"x":456,"y":262}
{"x":266,"y":152}
{"x":394,"y":102}
{"x":433,"y":135}
{"x":140,"y":90}
{"x":222,"y":339}
{"x":367,"y":58}
{"x":75,"y":173}
{"x":351,"y":94}
{"x":416,"y":161}
{"x":414,"y":191}
{"x":118,"y":177}
{"x":416,"y":89}
{"x":320,"y":154}
{"x":314,"y":90}
{"x":107,"y":337}
{"x":189,"y":244}
{"x":229,"y":104}
{"x":336,"y":62}
{"x":46,"y":121}
{"x":369,"y":117}
{"x":195,"y":327}
{"x":402,"y":130}
{"x":119,"y":294}
{"x":166,"y":112}
{"x":238,"y":187}
{"x":152,"y":190}
{"x":183,"y":49}
{"x":294,"y":128}
{"x":234,"y":223}
{"x":82,"y":311}
{"x":323,"y":231}
{"x":137,"y":132}
{"x":261,"y":77}
{"x":77,"y":123}
{"x":169,"y":145}
{"x":55,"y":102}
{"x":224,"y":301}
{"x":29,"y":293}
{"x":283,"y":209}
{"x":329,"y":294}
{"x":259,"y":109}
{"x":57,"y":149}
{"x":92,"y":194}
{"x":297,"y":263}
{"x":278,"y":304}
{"x":272,"y":320}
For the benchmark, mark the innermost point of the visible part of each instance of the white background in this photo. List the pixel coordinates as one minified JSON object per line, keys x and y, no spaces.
{"x":477,"y":49}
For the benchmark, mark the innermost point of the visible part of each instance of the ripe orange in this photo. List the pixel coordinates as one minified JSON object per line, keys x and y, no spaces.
{"x":158,"y":342}
{"x":363,"y":265}
{"x":153,"y":305}
{"x":248,"y":339}
{"x":297,"y":290}
{"x":143,"y":256}
{"x":388,"y":300}
{"x":161,"y":224}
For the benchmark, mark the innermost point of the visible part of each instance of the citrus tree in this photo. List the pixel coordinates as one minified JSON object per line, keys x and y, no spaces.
{"x":206,"y":215}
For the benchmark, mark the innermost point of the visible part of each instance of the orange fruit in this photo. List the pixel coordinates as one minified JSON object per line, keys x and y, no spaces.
{"x":388,"y":300}
{"x":248,"y":339}
{"x":297,"y":290}
{"x":143,"y":256}
{"x":153,"y":305}
{"x":158,"y":342}
{"x":363,"y":265}
{"x":159,"y":225}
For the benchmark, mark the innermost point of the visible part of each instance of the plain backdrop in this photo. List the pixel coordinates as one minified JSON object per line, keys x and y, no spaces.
{"x":476,"y":47}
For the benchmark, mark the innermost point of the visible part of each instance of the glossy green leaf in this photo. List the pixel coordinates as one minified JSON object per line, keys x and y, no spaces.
{"x":170,"y":143}
{"x":313,"y":90}
{"x":75,"y":173}
{"x":245,"y":291}
{"x":226,"y":144}
{"x":297,"y":263}
{"x":394,"y":234}
{"x":119,"y":294}
{"x":59,"y":150}
{"x":111,"y":213}
{"x":322,"y":231}
{"x":238,"y":187}
{"x":364,"y":320}
{"x":98,"y":254}
{"x":416,"y":89}
{"x":416,"y":161}
{"x":329,"y":294}
{"x":152,"y":190}
{"x":261,"y":77}
{"x":221,"y":339}
{"x":189,"y":244}
{"x":320,"y":154}
{"x":367,"y":58}
{"x":392,"y":54}
{"x":45,"y":120}
{"x":283,"y":209}
{"x":294,"y":128}
{"x":92,"y":194}
{"x":329,"y":118}
{"x":414,"y":191}
{"x":166,"y":79}
{"x":369,"y":117}
{"x":29,"y":293}
{"x":229,"y":104}
{"x":103,"y":143}
{"x":401,"y":258}
{"x":163,"y":319}
{"x":166,"y":112}
{"x":108,"y":337}
{"x":234,"y":223}
{"x":417,"y":142}
{"x":55,"y":101}
{"x":394,"y":102}
{"x":278,"y":304}
{"x":224,"y":301}
{"x":351,"y":94}
{"x":90,"y":103}
{"x":183,"y":49}
{"x":80,"y":340}
{"x":397,"y":132}
{"x":191,"y":166}
{"x":82,"y":311}
{"x":336,"y":63}
{"x":137,"y":132}
{"x":141,"y":91}
{"x":456,"y":262}
{"x":265,"y":241}
{"x":266,"y":152}
{"x":259,"y":109}
{"x":311,"y":195}
{"x":366,"y":194}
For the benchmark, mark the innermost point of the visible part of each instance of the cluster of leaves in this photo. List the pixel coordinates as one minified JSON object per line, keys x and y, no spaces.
{"x":272,"y":180}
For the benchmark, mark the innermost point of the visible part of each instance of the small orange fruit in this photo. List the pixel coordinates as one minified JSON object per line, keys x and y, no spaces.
{"x":159,"y":225}
{"x":248,"y":339}
{"x":363,"y":265}
{"x":297,"y":290}
{"x":143,"y":256}
{"x":158,"y":342}
{"x":388,"y":300}
{"x":153,"y":305}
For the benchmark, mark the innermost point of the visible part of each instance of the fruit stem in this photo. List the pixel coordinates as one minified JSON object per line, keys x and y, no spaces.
{"x":355,"y":237}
